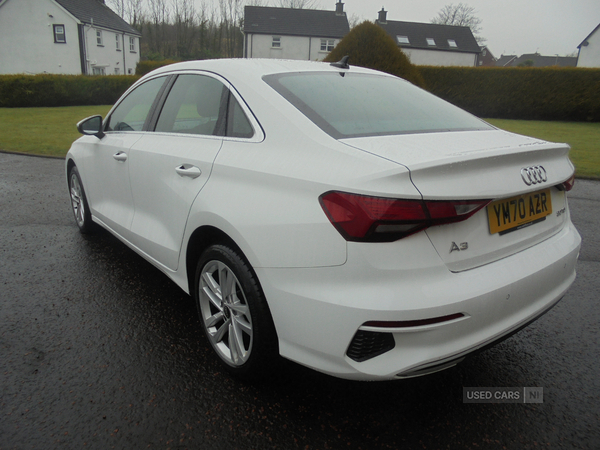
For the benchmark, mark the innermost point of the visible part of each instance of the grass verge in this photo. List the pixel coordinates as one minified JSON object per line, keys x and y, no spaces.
{"x":50,"y":131}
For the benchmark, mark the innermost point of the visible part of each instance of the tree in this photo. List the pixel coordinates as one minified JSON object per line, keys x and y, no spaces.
{"x":368,"y":45}
{"x":297,"y":4}
{"x":460,"y":15}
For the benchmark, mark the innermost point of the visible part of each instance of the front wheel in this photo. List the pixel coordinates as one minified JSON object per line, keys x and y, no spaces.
{"x":79,"y":203}
{"x":233,"y":312}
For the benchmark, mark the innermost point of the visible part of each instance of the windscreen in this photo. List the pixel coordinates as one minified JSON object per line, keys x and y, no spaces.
{"x":347,"y":105}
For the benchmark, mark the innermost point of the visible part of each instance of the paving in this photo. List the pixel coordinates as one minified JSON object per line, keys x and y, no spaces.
{"x":99,"y":350}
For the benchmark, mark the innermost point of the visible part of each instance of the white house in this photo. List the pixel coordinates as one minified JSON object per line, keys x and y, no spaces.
{"x":65,"y":37}
{"x":429,"y":44}
{"x":589,"y":50}
{"x":287,"y":33}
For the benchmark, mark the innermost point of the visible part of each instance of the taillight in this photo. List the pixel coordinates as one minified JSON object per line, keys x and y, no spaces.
{"x":363,"y":218}
{"x":567,"y":185}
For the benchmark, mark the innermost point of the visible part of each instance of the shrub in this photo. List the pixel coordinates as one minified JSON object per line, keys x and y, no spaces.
{"x":370,"y":46}
{"x":567,"y":94}
{"x":61,"y":90}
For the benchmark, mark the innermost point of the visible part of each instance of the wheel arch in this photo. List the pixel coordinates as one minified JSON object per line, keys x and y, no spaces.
{"x":70,"y":165}
{"x":201,"y":239}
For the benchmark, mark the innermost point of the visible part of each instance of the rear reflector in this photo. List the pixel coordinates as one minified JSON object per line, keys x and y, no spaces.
{"x":363,"y":218}
{"x":412,"y":323}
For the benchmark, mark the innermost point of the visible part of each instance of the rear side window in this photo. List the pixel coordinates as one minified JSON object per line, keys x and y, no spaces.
{"x":237,"y":123}
{"x":193,"y":106}
{"x":346,"y":105}
{"x":131,"y":113}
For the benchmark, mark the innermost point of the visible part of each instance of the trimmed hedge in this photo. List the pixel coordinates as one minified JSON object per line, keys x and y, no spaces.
{"x":144,"y":67}
{"x":565,"y":94}
{"x":62,"y":90}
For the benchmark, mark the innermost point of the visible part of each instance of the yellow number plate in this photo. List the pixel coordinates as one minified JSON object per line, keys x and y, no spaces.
{"x":518,"y":212}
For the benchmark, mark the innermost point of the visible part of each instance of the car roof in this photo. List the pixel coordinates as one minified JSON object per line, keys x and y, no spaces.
{"x":244,"y":68}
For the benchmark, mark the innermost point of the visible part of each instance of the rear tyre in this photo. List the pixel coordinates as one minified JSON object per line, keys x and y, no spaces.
{"x":234,"y":313}
{"x":79,"y":203}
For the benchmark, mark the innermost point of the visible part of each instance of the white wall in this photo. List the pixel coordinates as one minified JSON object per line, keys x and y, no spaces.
{"x":27,"y":42}
{"x":440,"y":58}
{"x":107,"y":56}
{"x":27,"y":39}
{"x":292,"y":47}
{"x":589,"y":56}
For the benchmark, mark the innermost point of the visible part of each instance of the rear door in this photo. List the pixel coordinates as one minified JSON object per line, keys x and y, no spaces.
{"x":170,"y":166}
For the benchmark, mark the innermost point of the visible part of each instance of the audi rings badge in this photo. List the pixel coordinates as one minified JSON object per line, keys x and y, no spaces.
{"x":534,"y":175}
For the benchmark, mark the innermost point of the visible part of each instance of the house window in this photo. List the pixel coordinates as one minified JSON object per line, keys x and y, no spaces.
{"x":327,"y":45}
{"x":117,"y":43}
{"x":402,"y":39}
{"x":59,"y":34}
{"x":99,"y":38}
{"x":98,"y":71}
{"x":117,"y":71}
{"x":430,"y":41}
{"x":276,"y":43}
{"x":452,"y":43}
{"x":132,"y":44}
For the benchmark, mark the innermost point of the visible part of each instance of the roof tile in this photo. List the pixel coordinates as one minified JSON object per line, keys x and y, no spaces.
{"x":295,"y":22}
{"x":96,"y":12}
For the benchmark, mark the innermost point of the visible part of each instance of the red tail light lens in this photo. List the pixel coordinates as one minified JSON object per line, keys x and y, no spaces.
{"x":363,"y":218}
{"x":568,"y":185}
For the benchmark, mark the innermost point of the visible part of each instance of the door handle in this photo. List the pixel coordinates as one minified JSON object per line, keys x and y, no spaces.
{"x":120,"y":156}
{"x":187,"y":170}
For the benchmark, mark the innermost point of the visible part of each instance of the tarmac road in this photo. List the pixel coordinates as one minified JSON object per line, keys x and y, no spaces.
{"x":99,"y":350}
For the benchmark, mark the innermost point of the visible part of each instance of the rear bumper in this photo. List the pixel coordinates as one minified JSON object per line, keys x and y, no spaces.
{"x":318,"y":311}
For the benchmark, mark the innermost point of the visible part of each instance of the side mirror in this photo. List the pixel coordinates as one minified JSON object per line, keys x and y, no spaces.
{"x":92,"y":126}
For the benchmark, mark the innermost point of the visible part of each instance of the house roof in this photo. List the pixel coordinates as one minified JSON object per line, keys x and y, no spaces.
{"x":418,"y":33}
{"x":97,"y":13}
{"x":295,"y":22}
{"x":505,"y":60}
{"x":588,"y":36}
{"x":539,"y":60}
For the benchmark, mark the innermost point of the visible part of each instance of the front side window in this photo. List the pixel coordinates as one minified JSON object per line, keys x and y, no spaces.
{"x":378,"y":105}
{"x":402,"y":39}
{"x":452,"y":43}
{"x":60,"y":36}
{"x":132,"y":44}
{"x":98,"y":71}
{"x":131,"y":113}
{"x":117,"y":43}
{"x":327,"y":45}
{"x":276,"y":43}
{"x":193,"y":106}
{"x":430,"y":41}
{"x":99,"y":38}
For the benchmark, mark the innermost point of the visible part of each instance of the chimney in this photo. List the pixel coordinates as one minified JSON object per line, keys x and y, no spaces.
{"x":339,"y":8}
{"x":382,"y":16}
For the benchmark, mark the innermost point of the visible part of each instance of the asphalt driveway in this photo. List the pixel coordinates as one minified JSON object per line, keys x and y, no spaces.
{"x":99,"y":350}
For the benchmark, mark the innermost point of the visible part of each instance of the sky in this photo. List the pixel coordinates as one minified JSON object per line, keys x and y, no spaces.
{"x":511,"y":27}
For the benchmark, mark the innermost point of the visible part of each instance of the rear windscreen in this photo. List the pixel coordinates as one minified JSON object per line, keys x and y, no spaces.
{"x":346,"y":105}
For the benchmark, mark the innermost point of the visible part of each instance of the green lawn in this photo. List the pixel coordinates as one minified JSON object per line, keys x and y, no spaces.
{"x":43,"y":131}
{"x":50,"y":131}
{"x":583,"y":137}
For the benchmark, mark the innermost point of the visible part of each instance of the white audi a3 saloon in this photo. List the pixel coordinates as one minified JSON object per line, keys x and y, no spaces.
{"x":336,"y":216}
